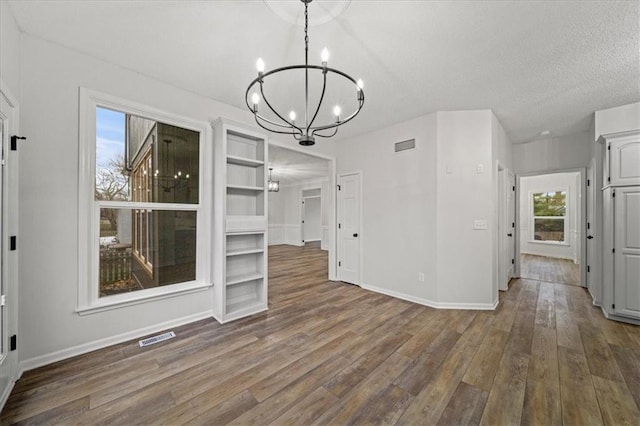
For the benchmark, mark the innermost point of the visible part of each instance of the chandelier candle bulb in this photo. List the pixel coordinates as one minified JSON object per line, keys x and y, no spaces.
{"x":337,"y":110}
{"x":260,"y":65}
{"x":324,"y":56}
{"x":292,"y":116}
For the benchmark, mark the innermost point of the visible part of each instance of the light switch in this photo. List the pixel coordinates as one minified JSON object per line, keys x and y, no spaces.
{"x":480,"y":168}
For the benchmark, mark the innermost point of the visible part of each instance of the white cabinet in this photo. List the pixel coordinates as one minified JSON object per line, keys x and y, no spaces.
{"x":626,"y":255}
{"x":621,"y":209}
{"x":622,"y":164}
{"x":240,"y":222}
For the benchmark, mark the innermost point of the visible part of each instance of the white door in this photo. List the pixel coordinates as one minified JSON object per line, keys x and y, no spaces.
{"x":506,"y":228}
{"x":591,"y":223}
{"x":8,"y":259}
{"x":311,"y":219}
{"x":511,"y":224}
{"x":349,"y":205}
{"x":626,"y":258}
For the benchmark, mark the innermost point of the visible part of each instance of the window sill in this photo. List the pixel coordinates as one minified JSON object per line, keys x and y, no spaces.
{"x":550,"y":243}
{"x":130,"y":299}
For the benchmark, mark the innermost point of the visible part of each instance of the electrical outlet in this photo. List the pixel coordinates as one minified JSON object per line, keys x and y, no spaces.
{"x":480,"y":224}
{"x":480,"y":168}
{"x":421,"y":277}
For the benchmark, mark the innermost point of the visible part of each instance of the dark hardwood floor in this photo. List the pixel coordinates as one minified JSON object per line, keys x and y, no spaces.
{"x":549,"y":269}
{"x":332,"y":353}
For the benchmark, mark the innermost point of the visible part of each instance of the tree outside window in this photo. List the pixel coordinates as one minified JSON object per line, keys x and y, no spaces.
{"x":549,"y":216}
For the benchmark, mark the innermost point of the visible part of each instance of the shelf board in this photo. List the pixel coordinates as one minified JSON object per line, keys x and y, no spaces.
{"x":245,"y":188}
{"x":242,"y":161}
{"x":244,"y":251}
{"x":245,"y":308}
{"x":243,"y":278}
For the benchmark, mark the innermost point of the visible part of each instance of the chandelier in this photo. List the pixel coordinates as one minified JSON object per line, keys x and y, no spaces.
{"x":304,"y":132}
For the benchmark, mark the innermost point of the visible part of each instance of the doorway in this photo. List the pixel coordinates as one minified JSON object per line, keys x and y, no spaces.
{"x":551,"y":216}
{"x":302,"y":210}
{"x":312,"y":215}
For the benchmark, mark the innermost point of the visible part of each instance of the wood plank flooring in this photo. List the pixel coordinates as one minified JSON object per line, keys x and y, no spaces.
{"x":332,"y":353}
{"x":549,"y":269}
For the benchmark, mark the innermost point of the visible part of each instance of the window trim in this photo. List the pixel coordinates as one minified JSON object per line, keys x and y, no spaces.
{"x":532,"y":217}
{"x":89,"y":209}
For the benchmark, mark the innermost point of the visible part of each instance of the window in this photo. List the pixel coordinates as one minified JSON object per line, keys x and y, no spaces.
{"x":140,"y":182}
{"x":549,"y":216}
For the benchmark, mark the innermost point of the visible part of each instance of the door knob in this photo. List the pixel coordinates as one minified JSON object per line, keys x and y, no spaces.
{"x":509,"y":235}
{"x":355,"y":235}
{"x":589,"y":237}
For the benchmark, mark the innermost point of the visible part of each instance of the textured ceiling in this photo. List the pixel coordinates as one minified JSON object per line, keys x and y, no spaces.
{"x":538,"y":64}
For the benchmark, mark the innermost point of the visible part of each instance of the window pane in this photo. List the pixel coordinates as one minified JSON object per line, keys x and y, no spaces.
{"x":142,"y":248}
{"x":549,"y":229}
{"x":550,"y":203}
{"x":143,"y":160}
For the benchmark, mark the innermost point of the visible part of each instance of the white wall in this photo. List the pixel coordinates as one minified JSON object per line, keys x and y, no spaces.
{"x":543,"y":183}
{"x":464,"y":255}
{"x":9,"y":50}
{"x":51,"y":76}
{"x":276,"y":217}
{"x":285,"y":212}
{"x":419,"y":207}
{"x":398,"y":232}
{"x":552,"y":154}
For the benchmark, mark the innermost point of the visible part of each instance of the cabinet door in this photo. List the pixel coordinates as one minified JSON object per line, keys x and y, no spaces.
{"x":624,"y":160}
{"x":627,"y":252}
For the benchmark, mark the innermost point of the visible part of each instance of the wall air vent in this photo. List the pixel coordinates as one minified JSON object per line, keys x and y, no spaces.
{"x":405,"y":145}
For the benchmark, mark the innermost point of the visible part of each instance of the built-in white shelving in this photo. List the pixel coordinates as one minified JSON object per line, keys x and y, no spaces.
{"x":240,"y":245}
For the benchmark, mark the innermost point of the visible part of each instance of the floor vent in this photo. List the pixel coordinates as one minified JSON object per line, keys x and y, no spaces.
{"x":156,"y":339}
{"x":405,"y":145}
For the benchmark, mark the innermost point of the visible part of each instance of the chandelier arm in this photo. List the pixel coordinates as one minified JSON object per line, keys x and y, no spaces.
{"x":326,"y":136}
{"x":324,"y":87}
{"x":266,"y":101}
{"x":341,"y":122}
{"x":256,"y":116}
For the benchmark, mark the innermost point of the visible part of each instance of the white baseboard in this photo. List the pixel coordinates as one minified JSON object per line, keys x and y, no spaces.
{"x":431,"y":303}
{"x":7,"y":392}
{"x":276,"y":234}
{"x":39,"y":361}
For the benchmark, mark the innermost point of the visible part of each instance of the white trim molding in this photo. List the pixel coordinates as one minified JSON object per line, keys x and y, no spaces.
{"x":89,"y":208}
{"x":276,"y":234}
{"x":431,"y":303}
{"x":39,"y":361}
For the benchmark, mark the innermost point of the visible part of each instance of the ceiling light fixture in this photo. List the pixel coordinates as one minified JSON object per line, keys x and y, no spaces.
{"x":273,"y":185}
{"x":305,"y":132}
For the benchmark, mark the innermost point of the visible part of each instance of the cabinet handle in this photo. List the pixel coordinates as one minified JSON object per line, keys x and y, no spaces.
{"x":355,"y":235}
{"x":589,"y":237}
